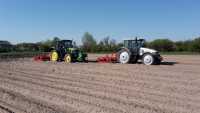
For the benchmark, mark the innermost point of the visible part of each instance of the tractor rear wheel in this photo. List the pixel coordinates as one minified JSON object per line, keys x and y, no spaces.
{"x":123,"y":56}
{"x":68,"y":58}
{"x":54,"y":56}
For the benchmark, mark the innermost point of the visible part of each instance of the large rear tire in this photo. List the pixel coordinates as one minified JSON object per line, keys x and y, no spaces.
{"x":123,"y":56}
{"x":54,"y":56}
{"x":148,"y":59}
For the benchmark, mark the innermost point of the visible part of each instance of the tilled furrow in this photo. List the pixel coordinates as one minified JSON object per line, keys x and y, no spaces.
{"x":63,"y":99}
{"x":184,"y":101}
{"x":105,"y":97}
{"x":171,"y":84}
{"x":5,"y":110}
{"x":137,"y":73}
{"x":27,"y":104}
{"x":4,"y":104}
{"x":158,"y":86}
{"x":151,"y":76}
{"x":29,"y":87}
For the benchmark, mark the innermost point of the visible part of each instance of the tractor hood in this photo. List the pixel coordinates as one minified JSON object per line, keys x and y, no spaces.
{"x":146,"y":50}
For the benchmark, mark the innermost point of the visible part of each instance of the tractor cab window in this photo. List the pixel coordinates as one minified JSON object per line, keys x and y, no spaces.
{"x":140,"y":43}
{"x":64,"y":44}
{"x":132,"y":44}
{"x":68,"y":44}
{"x":126,"y":43}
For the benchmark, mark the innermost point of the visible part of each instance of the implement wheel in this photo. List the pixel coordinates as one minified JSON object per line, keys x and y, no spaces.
{"x":68,"y":58}
{"x":54,"y":56}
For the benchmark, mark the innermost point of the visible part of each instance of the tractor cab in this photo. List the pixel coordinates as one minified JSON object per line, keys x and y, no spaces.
{"x":64,"y":44}
{"x":62,"y":47}
{"x":134,"y":45}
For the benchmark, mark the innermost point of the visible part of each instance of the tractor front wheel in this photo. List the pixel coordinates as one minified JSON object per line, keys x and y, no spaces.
{"x":68,"y":58}
{"x":148,"y":59}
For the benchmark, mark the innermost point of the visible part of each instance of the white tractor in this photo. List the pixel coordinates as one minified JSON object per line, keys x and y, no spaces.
{"x":133,"y":50}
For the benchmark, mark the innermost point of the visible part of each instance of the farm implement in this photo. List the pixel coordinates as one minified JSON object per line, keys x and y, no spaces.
{"x":108,"y":58}
{"x":43,"y":57}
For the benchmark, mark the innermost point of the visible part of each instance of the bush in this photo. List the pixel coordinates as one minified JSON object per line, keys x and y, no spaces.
{"x":5,"y":46}
{"x":195,"y":46}
{"x":162,"y":45}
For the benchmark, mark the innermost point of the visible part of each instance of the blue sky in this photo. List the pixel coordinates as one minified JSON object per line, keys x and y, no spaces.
{"x":36,"y":20}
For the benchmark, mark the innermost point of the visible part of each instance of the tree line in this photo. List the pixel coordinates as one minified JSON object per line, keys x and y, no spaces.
{"x":107,"y":44}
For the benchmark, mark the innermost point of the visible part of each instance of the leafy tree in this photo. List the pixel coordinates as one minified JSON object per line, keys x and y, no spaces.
{"x":47,"y":45}
{"x":100,"y":46}
{"x":43,"y":47}
{"x":89,"y":43}
{"x":107,"y":45}
{"x":55,"y":40}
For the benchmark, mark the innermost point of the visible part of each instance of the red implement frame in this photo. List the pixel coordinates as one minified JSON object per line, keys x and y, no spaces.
{"x":45,"y":57}
{"x":108,"y":58}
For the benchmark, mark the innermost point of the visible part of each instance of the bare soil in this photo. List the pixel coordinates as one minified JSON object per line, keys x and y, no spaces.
{"x":47,"y":87}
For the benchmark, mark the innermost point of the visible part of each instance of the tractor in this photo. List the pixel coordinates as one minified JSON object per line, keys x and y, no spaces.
{"x":65,"y":50}
{"x":133,"y":50}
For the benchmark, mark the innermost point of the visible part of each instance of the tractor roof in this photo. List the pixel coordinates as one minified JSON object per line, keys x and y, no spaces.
{"x":135,"y":40}
{"x":65,"y":40}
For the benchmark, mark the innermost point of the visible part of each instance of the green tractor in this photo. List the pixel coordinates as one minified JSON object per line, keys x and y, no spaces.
{"x":65,"y":50}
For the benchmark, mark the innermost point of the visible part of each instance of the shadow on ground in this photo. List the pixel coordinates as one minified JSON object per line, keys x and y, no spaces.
{"x":168,"y":63}
{"x":162,"y":63}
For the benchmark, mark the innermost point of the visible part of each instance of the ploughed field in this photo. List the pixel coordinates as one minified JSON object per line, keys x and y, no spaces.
{"x":46,"y":87}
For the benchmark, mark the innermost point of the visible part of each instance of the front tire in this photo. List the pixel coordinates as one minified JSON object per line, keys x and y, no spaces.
{"x":68,"y":58}
{"x":148,"y":59}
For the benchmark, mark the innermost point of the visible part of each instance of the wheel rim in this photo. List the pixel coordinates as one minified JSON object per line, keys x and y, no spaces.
{"x":54,"y":56}
{"x":124,"y":57}
{"x":148,"y":60}
{"x":68,"y":59}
